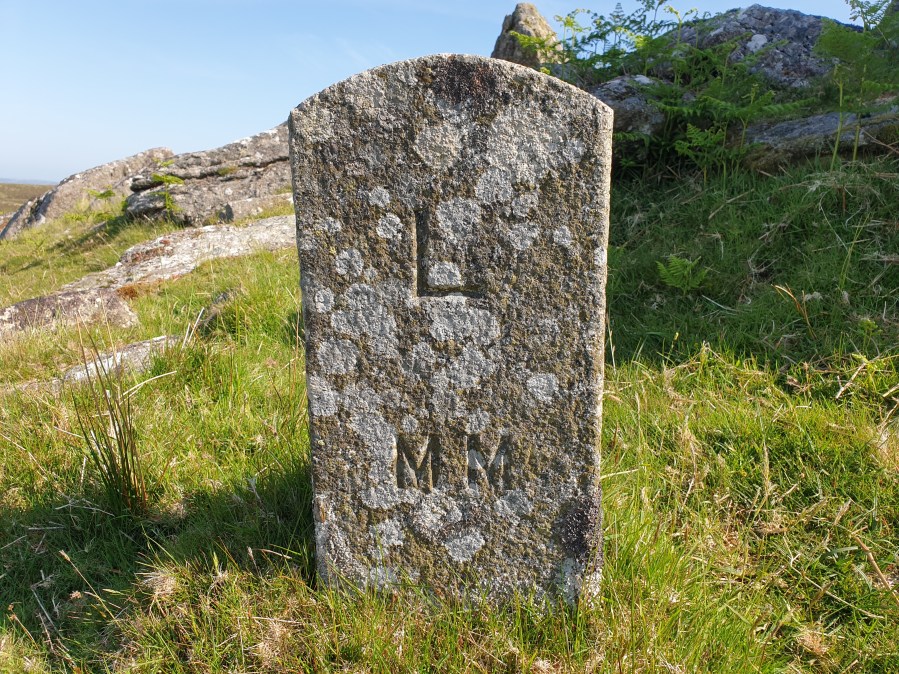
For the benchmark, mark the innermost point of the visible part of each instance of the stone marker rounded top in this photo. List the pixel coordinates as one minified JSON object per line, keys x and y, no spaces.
{"x":475,"y":78}
{"x":452,"y":217}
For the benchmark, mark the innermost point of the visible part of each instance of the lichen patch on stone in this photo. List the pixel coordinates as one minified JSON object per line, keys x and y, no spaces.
{"x":389,"y":226}
{"x":453,"y":319}
{"x":459,"y":218}
{"x":444,"y":275}
{"x":337,"y":356}
{"x":462,"y":548}
{"x":543,"y":387}
{"x":349,"y":263}
{"x":440,"y":145}
{"x":323,"y":300}
{"x":379,"y":197}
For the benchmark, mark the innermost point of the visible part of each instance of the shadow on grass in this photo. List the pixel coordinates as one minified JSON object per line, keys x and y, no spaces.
{"x":67,"y":567}
{"x":102,"y":232}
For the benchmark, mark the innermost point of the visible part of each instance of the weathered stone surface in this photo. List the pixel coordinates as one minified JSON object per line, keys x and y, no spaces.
{"x":214,"y":181}
{"x":67,"y":307}
{"x":133,"y":357}
{"x":526,"y":20}
{"x":252,"y":207}
{"x":452,"y":227}
{"x":75,"y":191}
{"x":130,"y":358}
{"x":633,"y":106}
{"x":785,"y":143}
{"x":783,"y":39}
{"x":181,"y":252}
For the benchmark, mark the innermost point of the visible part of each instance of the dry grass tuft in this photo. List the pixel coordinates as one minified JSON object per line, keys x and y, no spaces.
{"x":275,"y":643}
{"x":813,"y":642}
{"x":886,"y":448}
{"x":162,"y":583}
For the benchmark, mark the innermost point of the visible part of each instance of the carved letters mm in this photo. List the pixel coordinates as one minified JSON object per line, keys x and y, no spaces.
{"x":418,"y":464}
{"x":416,"y":467}
{"x":486,"y":468}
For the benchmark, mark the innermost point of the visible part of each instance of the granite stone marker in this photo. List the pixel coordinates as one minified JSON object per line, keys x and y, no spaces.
{"x":452,"y":216}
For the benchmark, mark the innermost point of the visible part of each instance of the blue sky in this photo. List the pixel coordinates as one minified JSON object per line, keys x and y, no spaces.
{"x":86,"y":82}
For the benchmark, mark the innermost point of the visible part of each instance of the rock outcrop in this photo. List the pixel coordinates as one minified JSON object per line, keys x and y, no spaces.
{"x":778,"y":45}
{"x":233,"y":182}
{"x":130,"y":358}
{"x":179,"y":253}
{"x":66,"y":308}
{"x":81,"y":190}
{"x":237,"y":180}
{"x":781,"y":144}
{"x":782,"y":42}
{"x":97,"y":297}
{"x":526,"y":20}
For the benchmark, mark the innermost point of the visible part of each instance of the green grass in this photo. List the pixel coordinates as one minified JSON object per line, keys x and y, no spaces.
{"x":828,"y":237}
{"x":41,"y":259}
{"x":750,"y":460}
{"x":12,"y":195}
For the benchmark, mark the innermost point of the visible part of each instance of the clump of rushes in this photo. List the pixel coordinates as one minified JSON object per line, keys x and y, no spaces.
{"x":106,"y":421}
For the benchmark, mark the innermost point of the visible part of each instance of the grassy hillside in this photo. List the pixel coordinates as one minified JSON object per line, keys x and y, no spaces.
{"x":750,"y":453}
{"x":12,"y":196}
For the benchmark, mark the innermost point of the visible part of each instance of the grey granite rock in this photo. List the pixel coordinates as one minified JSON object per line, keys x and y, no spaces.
{"x":525,"y":20}
{"x":452,"y":232}
{"x":75,"y":192}
{"x":65,"y":308}
{"x":782,"y":41}
{"x":180,"y":252}
{"x":782,"y":144}
{"x":214,"y":184}
{"x":130,"y":358}
{"x":95,"y":297}
{"x":252,"y":207}
{"x":633,"y":106}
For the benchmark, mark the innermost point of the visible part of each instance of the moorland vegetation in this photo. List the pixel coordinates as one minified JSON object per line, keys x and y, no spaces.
{"x":750,"y":433}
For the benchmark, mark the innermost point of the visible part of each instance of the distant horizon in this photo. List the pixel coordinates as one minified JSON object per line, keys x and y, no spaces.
{"x":27,"y":181}
{"x":113,"y":79}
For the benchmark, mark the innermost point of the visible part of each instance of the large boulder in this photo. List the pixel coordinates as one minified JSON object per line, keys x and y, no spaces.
{"x":237,"y":180}
{"x":98,"y":297}
{"x":525,"y":20}
{"x":634,"y":109}
{"x":781,"y":42}
{"x":80,"y":191}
